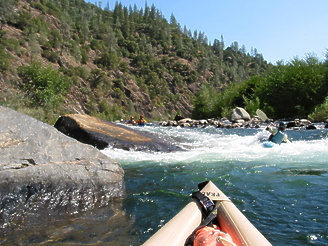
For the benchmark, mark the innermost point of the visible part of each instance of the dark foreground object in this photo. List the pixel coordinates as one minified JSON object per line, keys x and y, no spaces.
{"x":103,"y":134}
{"x":44,"y":171}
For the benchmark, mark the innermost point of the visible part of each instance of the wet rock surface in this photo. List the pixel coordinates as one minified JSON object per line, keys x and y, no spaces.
{"x":43,"y":169}
{"x":102,"y":134}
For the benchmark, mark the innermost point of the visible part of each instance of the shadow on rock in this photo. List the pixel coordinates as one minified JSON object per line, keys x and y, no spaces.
{"x":103,"y":134}
{"x":42,"y":171}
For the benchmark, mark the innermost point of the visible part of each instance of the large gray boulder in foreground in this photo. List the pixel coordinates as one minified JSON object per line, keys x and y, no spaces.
{"x":102,"y":134}
{"x":41,"y":168}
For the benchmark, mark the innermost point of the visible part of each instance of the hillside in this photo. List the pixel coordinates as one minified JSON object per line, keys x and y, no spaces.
{"x":59,"y":57}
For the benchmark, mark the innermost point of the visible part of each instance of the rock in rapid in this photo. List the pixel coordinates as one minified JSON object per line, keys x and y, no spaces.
{"x":102,"y":134}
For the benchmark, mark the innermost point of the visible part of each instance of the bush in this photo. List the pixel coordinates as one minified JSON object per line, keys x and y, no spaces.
{"x":50,"y":56}
{"x":108,"y":60}
{"x":11,"y":44}
{"x":19,"y":101}
{"x":294,"y":89}
{"x":251,"y":105}
{"x":320,"y":112}
{"x":45,"y":85}
{"x":4,"y":60}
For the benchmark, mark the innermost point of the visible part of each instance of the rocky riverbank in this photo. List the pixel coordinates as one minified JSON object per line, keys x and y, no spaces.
{"x":239,"y":118}
{"x":42,"y":169}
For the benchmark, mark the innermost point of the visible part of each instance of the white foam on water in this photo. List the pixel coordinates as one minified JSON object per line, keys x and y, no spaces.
{"x":213,"y":144}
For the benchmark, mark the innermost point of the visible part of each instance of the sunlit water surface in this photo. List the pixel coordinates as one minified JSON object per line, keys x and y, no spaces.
{"x":282,"y":190}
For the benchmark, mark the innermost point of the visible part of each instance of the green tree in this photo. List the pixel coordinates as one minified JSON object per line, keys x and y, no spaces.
{"x":204,"y":103}
{"x":6,"y":11}
{"x":108,"y":60}
{"x":320,"y":112}
{"x":294,"y":89}
{"x":97,"y":77}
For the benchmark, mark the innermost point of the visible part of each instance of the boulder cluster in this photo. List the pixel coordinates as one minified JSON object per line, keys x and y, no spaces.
{"x":239,"y":118}
{"x":219,"y":123}
{"x":303,"y":123}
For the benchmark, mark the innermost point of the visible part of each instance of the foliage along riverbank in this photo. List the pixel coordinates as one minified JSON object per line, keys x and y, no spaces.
{"x":297,"y":89}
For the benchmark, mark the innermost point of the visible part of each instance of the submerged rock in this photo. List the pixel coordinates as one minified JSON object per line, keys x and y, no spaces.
{"x":43,"y":169}
{"x":102,"y":134}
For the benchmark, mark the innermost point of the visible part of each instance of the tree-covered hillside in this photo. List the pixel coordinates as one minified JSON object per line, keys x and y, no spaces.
{"x":68,"y":56}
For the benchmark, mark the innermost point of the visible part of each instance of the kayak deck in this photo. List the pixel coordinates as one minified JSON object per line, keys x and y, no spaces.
{"x":231,"y":220}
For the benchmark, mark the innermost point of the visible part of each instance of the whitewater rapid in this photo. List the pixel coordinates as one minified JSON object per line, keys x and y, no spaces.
{"x":282,"y":190}
{"x":214,"y":144}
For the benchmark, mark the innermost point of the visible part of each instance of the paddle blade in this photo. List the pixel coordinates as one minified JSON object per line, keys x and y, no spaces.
{"x":261,"y":114}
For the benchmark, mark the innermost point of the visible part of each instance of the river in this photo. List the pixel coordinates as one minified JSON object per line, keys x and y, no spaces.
{"x":282,"y":190}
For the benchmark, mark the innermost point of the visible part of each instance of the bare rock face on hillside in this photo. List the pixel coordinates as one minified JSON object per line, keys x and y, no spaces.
{"x":43,"y":169}
{"x":102,"y":134}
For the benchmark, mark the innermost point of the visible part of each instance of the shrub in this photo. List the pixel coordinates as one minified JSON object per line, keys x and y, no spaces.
{"x":4,"y":60}
{"x":45,"y":85}
{"x":50,"y":56}
{"x":320,"y":112}
{"x":108,"y":60}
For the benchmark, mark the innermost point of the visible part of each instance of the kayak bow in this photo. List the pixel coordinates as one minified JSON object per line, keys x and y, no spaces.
{"x":230,"y":219}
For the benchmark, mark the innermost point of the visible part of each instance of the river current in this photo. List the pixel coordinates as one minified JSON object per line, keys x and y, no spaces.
{"x":282,"y":190}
